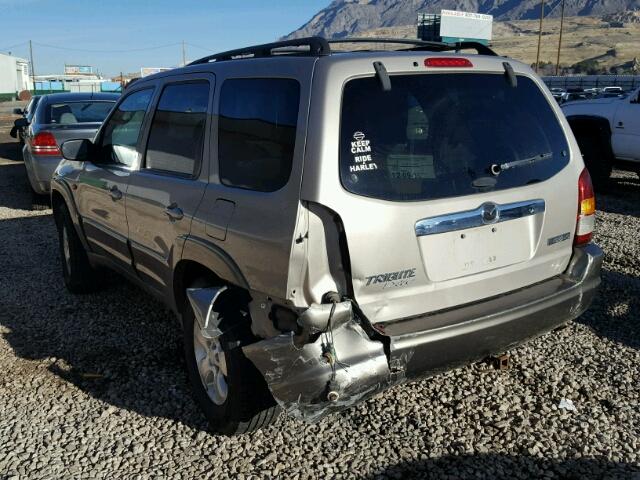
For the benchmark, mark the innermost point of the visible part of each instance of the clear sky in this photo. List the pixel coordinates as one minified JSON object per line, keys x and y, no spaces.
{"x":107,"y":33}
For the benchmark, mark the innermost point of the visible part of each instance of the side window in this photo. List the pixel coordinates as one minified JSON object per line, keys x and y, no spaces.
{"x":121,"y":133}
{"x":176,"y":137}
{"x":257,"y":132}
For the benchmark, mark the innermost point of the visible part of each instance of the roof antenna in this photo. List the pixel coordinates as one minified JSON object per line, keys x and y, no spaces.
{"x":511,"y":76}
{"x":383,"y":76}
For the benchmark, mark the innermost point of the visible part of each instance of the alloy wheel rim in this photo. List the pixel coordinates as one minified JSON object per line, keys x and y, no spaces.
{"x":212,"y":365}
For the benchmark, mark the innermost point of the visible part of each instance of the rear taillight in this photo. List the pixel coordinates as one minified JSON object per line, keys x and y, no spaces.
{"x":586,"y":210}
{"x":444,"y":62}
{"x":44,"y":143}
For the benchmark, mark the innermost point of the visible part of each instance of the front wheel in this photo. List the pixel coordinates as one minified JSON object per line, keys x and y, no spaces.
{"x":228,"y":388}
{"x":79,"y":276}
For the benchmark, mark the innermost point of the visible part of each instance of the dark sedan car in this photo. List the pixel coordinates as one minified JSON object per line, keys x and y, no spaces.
{"x":59,"y":117}
{"x":29,"y":110}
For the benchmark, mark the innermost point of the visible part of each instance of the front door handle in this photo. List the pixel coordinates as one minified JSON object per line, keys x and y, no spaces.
{"x":174,"y":212}
{"x":115,"y":192}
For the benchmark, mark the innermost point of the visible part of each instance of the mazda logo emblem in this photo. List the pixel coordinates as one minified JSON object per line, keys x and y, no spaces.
{"x":490,"y":213}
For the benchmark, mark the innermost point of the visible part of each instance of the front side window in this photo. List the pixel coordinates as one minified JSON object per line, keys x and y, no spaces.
{"x":257,"y":132}
{"x":442,"y":135}
{"x":176,"y":137}
{"x":121,"y":133}
{"x":71,"y":113}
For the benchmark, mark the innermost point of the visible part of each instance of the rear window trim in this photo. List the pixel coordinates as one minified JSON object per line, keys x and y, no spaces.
{"x":458,"y":71}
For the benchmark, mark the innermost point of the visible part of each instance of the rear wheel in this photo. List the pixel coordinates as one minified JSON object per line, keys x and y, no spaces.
{"x":228,"y":388}
{"x":79,"y":276}
{"x":39,"y":202}
{"x":598,"y":158}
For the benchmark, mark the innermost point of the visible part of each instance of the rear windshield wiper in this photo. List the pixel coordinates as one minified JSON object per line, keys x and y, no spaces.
{"x":496,"y":168}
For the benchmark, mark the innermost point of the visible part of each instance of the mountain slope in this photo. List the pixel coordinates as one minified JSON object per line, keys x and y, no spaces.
{"x":346,"y":17}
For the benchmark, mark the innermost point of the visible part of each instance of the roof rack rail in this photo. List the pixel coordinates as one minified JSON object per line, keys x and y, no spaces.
{"x":318,"y":46}
{"x":481,"y":48}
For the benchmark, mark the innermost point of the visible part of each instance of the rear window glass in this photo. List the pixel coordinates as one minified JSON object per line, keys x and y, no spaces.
{"x":435,"y":136}
{"x":78,"y":112}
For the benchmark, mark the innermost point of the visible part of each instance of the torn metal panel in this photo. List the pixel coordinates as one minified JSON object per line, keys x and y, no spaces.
{"x":316,"y":317}
{"x":261,"y":324}
{"x":202,"y":301}
{"x":337,"y":370}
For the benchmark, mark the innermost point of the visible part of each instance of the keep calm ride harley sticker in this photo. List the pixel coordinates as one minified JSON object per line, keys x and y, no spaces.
{"x":361,"y":150}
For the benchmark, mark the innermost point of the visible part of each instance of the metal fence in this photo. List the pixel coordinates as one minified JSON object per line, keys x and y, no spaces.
{"x":60,"y":87}
{"x":627,"y":82}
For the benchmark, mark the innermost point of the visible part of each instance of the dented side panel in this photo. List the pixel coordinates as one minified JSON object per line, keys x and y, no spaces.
{"x":343,"y":365}
{"x":337,"y":370}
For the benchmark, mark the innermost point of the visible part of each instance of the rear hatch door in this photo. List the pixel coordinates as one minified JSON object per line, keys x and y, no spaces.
{"x":454,"y":187}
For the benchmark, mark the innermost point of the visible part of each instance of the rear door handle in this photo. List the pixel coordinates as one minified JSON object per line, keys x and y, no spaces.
{"x":620,"y":125}
{"x":174,"y":212}
{"x":115,"y":192}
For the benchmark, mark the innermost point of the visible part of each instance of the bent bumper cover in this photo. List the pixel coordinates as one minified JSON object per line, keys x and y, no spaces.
{"x":350,"y":362}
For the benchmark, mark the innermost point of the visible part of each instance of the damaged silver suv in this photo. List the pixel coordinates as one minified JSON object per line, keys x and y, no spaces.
{"x":328,"y":223}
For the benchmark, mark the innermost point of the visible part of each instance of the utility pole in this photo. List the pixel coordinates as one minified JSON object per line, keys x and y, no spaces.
{"x":560,"y":41}
{"x":184,"y":55}
{"x":540,"y":34}
{"x":33,"y":70}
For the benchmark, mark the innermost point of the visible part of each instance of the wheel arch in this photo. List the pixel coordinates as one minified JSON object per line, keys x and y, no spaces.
{"x":61,"y":195}
{"x":203,"y":260}
{"x":592,"y":125}
{"x":582,"y":123}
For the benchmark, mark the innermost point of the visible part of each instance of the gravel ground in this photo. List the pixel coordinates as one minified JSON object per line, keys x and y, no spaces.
{"x":94,"y":387}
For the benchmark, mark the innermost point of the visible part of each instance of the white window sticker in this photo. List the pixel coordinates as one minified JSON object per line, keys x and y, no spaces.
{"x":361,"y":151}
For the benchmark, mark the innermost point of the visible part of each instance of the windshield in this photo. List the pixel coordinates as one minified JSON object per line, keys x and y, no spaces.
{"x":438,"y":135}
{"x":77,"y":112}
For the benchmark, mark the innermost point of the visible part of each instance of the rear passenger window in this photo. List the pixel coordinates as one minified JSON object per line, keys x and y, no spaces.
{"x":176,"y":138}
{"x":257,"y":132}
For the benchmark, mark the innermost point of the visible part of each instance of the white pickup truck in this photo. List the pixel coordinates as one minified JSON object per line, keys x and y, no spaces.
{"x":608,"y":132}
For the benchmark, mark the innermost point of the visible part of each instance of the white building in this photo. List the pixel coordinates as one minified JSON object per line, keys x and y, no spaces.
{"x":14,"y":75}
{"x":69,"y":82}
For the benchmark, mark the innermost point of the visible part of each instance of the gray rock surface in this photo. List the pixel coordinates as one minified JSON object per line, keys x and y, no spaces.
{"x":346,"y":17}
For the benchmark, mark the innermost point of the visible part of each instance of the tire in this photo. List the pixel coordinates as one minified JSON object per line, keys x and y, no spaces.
{"x":39,"y":202}
{"x":248,"y":404}
{"x":597,"y":157}
{"x":79,"y":276}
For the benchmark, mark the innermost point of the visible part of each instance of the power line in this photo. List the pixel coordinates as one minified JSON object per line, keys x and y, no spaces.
{"x":158,"y":47}
{"x":4,"y":49}
{"x":201,"y":48}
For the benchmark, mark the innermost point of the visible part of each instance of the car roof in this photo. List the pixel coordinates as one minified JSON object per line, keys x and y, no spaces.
{"x":320,"y":48}
{"x":81,"y":96}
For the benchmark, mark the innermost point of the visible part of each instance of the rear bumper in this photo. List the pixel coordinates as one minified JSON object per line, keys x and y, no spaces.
{"x":351,"y":361}
{"x":40,"y":169}
{"x":493,"y":326}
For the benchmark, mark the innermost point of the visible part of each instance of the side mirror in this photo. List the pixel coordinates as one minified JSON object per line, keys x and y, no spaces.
{"x":21,"y":123}
{"x":76,"y":150}
{"x":18,"y":111}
